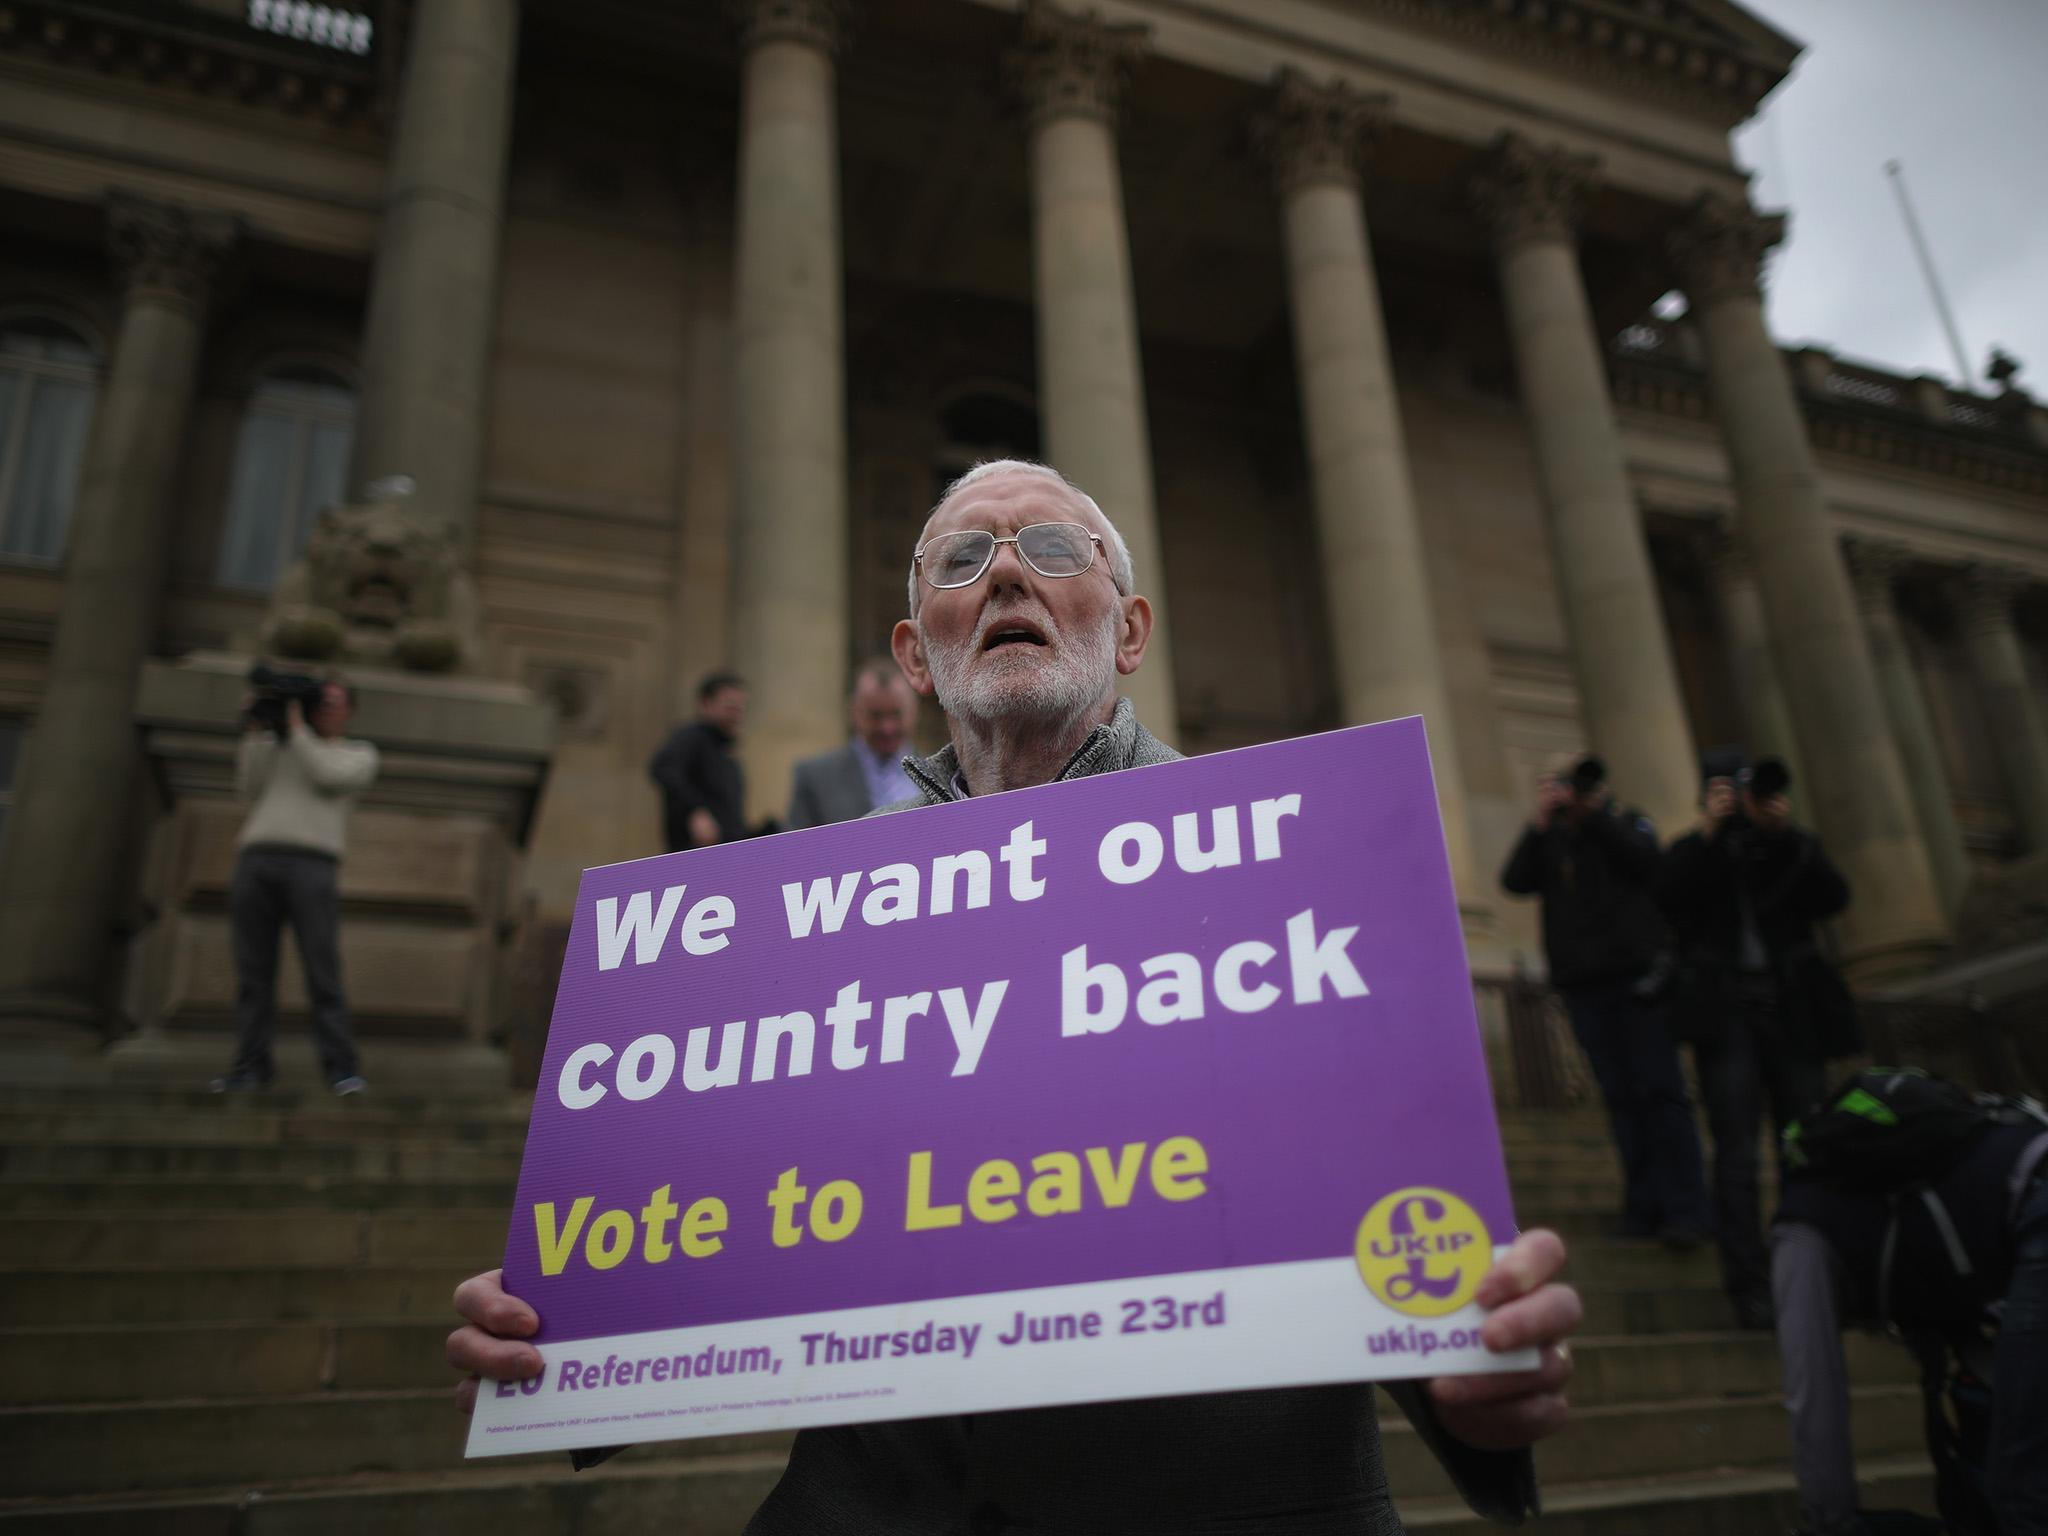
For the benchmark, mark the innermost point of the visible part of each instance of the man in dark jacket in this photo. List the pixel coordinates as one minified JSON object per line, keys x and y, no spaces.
{"x":1023,"y":615}
{"x":1593,"y":864}
{"x":703,"y":796}
{"x":1760,"y":1006}
{"x":1954,"y":1264}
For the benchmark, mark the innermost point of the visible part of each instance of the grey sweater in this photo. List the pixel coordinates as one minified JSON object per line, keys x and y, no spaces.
{"x":1303,"y":1461}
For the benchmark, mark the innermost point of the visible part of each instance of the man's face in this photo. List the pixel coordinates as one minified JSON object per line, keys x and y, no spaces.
{"x":881,"y":714}
{"x":330,"y":716}
{"x":1016,"y":646}
{"x":726,"y":709}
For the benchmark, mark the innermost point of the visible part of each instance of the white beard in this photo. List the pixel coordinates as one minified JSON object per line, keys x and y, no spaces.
{"x":1050,"y":692}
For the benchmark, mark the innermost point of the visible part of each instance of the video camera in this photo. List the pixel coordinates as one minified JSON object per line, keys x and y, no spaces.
{"x":274,"y":689}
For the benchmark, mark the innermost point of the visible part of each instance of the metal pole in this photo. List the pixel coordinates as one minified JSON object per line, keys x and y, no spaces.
{"x":1893,"y":169}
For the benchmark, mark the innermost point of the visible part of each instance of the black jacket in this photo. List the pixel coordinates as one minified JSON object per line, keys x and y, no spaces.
{"x":695,"y":770}
{"x":1785,"y":877}
{"x":1785,"y":883}
{"x":1601,"y":925}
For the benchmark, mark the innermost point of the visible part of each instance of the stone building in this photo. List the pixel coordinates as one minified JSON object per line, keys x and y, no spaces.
{"x":650,"y":330}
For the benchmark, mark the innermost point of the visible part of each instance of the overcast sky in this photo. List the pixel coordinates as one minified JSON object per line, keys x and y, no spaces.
{"x":1954,"y":90}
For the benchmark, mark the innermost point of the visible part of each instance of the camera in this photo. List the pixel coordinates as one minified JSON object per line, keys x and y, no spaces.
{"x":274,"y":689}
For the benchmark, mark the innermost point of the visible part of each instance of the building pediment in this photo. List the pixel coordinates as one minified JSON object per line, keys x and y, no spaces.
{"x":1712,"y":56}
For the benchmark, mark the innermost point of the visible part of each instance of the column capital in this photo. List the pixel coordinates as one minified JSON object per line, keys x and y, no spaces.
{"x":1072,"y":63}
{"x":1310,"y":133}
{"x":1987,"y":593}
{"x":167,"y":251}
{"x":1876,"y":569}
{"x":820,"y":24}
{"x":1528,"y":192}
{"x":1719,"y":248}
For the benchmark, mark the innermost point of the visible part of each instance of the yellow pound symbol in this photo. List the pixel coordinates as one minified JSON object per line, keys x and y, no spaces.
{"x":1423,"y":1251}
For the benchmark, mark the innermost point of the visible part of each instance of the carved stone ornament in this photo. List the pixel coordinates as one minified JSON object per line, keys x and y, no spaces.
{"x":378,"y":586}
{"x":1072,"y":64}
{"x":1988,"y":594}
{"x":1719,"y":249}
{"x":1314,"y":134}
{"x":1877,"y":570}
{"x":819,"y":23}
{"x":1527,"y":192}
{"x":167,"y":251}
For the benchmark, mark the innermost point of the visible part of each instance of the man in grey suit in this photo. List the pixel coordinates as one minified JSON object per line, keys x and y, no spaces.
{"x":867,"y":773}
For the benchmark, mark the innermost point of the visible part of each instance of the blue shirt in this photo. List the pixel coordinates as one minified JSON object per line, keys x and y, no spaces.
{"x":887,"y":782}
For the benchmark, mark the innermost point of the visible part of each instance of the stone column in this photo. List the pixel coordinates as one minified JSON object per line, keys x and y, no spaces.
{"x":2018,"y":733}
{"x":433,"y":308}
{"x":61,"y":886}
{"x":789,"y":541}
{"x":1628,"y":686}
{"x":1877,"y":569}
{"x":1766,"y":717}
{"x":1069,"y":73}
{"x":1857,"y":791}
{"x":1374,"y":573}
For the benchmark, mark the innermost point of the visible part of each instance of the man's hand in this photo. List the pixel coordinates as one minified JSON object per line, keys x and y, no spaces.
{"x":487,"y":1345}
{"x":294,"y":717}
{"x":1770,"y":813}
{"x":1716,"y":806}
{"x":703,"y":828}
{"x":1513,"y":1409}
{"x":1552,"y":796}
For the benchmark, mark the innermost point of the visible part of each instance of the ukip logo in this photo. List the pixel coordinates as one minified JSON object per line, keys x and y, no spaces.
{"x":1423,"y":1251}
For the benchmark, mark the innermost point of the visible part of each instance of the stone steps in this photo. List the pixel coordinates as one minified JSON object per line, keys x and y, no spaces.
{"x":346,"y":1192}
{"x":208,"y":1240}
{"x":143,"y":1293}
{"x":177,"y":1442}
{"x":1728,"y":1501}
{"x":392,"y":1159}
{"x":213,"y":1125}
{"x":225,"y":1316}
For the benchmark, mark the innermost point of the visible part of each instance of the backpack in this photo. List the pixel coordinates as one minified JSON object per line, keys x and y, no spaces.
{"x":1895,"y":1132}
{"x":1889,"y":1129}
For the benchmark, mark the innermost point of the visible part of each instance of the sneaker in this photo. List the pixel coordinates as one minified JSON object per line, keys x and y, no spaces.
{"x":344,"y":1086}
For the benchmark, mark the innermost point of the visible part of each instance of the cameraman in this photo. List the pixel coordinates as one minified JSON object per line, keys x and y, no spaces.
{"x":1758,"y":1004}
{"x":1593,"y":865}
{"x":304,"y":777}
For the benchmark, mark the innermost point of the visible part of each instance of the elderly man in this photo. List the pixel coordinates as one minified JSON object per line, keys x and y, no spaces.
{"x":867,"y":773}
{"x":1022,"y":614}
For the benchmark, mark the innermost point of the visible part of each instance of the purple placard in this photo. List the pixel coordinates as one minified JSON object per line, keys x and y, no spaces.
{"x":1284,"y":1154}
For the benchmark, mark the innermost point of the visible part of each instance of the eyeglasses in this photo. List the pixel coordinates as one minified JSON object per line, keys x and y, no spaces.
{"x":1058,"y":550}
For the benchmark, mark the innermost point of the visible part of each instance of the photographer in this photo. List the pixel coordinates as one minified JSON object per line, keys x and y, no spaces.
{"x":1593,"y":865}
{"x":303,"y":775}
{"x":1760,"y":1006}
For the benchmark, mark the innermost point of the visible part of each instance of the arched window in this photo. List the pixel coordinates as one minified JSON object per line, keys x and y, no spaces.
{"x":290,"y":461}
{"x":49,"y":374}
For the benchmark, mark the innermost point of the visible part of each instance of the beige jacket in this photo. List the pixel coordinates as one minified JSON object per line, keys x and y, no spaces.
{"x":304,"y":788}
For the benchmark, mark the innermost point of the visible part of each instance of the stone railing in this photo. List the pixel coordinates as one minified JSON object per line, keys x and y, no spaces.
{"x":323,"y":61}
{"x":1529,"y":1049}
{"x":1913,"y":422}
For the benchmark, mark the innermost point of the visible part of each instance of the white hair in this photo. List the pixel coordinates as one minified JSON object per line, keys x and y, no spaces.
{"x":1120,"y":570}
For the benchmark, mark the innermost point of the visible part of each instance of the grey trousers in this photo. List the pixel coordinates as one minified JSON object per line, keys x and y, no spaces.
{"x":273,"y":886}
